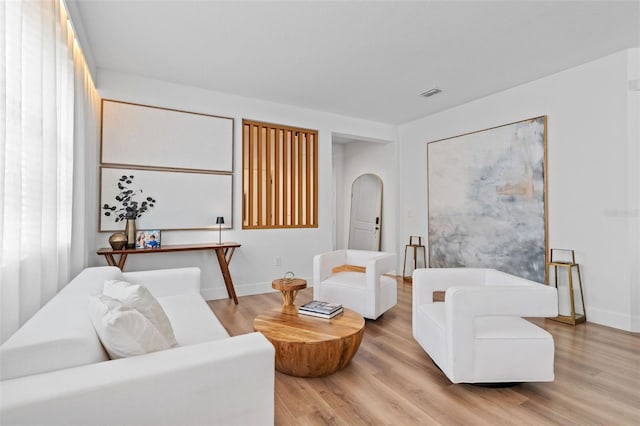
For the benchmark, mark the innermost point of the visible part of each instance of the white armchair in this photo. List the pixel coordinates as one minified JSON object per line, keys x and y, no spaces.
{"x":370,"y":293}
{"x":478,"y":335}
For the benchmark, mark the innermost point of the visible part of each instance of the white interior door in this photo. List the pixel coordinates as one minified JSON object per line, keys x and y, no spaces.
{"x":366,"y":209}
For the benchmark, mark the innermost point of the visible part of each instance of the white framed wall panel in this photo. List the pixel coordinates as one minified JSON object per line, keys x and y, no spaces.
{"x":147,"y":136}
{"x":184,"y":200}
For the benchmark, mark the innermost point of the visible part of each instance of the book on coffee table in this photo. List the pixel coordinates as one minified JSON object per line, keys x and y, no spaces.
{"x":320,"y":315}
{"x":319,"y":307}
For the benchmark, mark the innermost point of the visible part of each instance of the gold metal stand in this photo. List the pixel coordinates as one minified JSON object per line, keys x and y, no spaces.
{"x":568,"y":265}
{"x":415,"y":248}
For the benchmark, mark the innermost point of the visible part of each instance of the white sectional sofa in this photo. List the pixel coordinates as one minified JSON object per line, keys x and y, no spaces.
{"x":54,"y":370}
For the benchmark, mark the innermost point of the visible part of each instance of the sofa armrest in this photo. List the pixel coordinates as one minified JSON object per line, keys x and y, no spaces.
{"x":167,"y":282}
{"x":428,"y":280}
{"x":382,"y":263}
{"x":324,"y":263}
{"x":227,"y":381}
{"x":535,"y":300}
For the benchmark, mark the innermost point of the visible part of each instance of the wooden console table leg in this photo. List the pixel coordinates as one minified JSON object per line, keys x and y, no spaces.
{"x":123,"y":259}
{"x":228,"y":254}
{"x":224,"y":268}
{"x":110,"y":260}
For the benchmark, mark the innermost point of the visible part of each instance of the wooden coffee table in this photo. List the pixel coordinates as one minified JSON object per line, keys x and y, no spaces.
{"x":309,"y":346}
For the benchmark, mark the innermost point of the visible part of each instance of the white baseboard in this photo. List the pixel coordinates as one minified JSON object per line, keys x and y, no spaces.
{"x":241,"y":290}
{"x":614,"y":319}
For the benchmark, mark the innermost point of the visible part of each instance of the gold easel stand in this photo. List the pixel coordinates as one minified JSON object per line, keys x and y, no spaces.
{"x":568,"y":265}
{"x":415,"y":248}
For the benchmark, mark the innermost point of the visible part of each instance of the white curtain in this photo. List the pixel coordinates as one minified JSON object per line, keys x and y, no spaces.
{"x":36,"y":156}
{"x":85,"y":152}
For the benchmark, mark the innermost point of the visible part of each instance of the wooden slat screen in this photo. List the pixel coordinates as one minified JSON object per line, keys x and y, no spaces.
{"x":279,"y":176}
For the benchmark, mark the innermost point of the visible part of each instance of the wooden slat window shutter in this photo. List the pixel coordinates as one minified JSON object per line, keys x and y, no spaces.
{"x":279,"y":176}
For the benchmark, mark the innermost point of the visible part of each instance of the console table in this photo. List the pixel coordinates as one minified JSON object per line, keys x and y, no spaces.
{"x":224,"y":252}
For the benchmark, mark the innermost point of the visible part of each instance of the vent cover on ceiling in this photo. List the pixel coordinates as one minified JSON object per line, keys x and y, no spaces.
{"x":430,"y":92}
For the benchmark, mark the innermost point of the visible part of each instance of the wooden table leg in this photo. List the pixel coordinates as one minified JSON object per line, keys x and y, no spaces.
{"x":228,"y":253}
{"x":123,"y":258}
{"x":224,"y":268}
{"x":110,"y":260}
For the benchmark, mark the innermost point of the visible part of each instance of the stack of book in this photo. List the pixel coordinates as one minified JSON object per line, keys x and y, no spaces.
{"x":319,"y":309}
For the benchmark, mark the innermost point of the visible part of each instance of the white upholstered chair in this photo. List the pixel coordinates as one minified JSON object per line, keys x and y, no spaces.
{"x":370,"y":293}
{"x":478,"y":335}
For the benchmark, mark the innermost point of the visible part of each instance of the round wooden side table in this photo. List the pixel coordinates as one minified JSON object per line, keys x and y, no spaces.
{"x":289,"y":289}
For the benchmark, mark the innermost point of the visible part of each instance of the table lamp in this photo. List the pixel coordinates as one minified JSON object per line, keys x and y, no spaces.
{"x":219,"y":222}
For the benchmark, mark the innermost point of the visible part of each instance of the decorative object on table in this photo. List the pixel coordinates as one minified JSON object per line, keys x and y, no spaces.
{"x":319,"y":309}
{"x":288,"y":286}
{"x":130,"y":233}
{"x":117,"y":241}
{"x":148,"y":239}
{"x":415,"y":247}
{"x":319,"y":315}
{"x":219,"y":222}
{"x":130,"y":209}
{"x":487,"y":199}
{"x":566,"y":260}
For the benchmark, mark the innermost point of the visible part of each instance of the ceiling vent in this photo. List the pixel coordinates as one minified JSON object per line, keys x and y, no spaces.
{"x":431,"y":92}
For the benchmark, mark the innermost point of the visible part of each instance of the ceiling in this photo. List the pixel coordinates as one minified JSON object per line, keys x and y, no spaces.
{"x":354,"y":58}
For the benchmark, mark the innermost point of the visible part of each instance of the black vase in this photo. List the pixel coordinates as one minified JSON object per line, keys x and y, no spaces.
{"x":130,"y":232}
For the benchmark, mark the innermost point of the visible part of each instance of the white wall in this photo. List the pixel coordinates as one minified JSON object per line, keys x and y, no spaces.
{"x":593,"y":161}
{"x":252,"y":267}
{"x":339,"y":224}
{"x":633,"y":161}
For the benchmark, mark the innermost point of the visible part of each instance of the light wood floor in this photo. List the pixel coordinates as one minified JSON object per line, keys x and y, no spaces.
{"x":391,"y":380}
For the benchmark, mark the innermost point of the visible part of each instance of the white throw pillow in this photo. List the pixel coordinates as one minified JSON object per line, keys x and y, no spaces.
{"x":138,"y":297}
{"x":123,"y":331}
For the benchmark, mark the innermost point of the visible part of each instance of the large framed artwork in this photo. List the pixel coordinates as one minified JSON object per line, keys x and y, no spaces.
{"x":183,"y":159}
{"x":149,"y":136}
{"x":487,"y":198}
{"x":183,"y":200}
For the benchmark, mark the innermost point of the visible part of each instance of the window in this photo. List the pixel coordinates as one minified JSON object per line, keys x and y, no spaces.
{"x":49,"y":124}
{"x":279,"y":176}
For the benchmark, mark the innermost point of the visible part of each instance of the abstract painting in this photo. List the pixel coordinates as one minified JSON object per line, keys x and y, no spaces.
{"x":487,"y":199}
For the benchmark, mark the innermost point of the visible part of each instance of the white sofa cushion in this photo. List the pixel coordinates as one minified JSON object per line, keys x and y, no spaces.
{"x":124,"y":331}
{"x":137,"y":297}
{"x":348,"y":289}
{"x":347,"y":279}
{"x":192,"y":319}
{"x":511,"y":349}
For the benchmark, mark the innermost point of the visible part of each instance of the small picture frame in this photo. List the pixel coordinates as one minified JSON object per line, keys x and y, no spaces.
{"x":148,"y":239}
